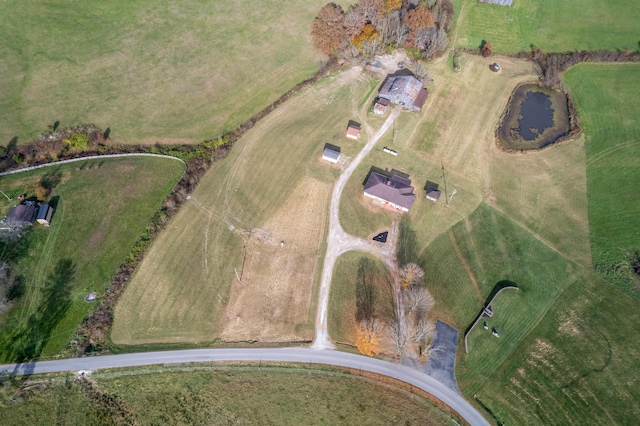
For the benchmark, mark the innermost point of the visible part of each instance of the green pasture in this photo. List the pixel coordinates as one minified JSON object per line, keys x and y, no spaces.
{"x":578,"y":366}
{"x":552,"y":25}
{"x":285,"y":395}
{"x":342,"y":298}
{"x":609,"y":114}
{"x":102,"y":209}
{"x":183,"y":72}
{"x":495,"y":249}
{"x":192,"y":262}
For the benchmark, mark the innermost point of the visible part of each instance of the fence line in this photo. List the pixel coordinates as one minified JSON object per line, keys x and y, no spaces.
{"x":93,"y":157}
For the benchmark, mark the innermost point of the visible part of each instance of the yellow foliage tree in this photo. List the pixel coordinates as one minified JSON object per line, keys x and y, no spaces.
{"x":369,"y":32}
{"x":391,"y":5}
{"x":40,"y":192}
{"x":367,"y":339}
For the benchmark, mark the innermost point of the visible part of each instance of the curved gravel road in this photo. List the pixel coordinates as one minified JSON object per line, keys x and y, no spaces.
{"x":301,"y":355}
{"x":339,"y":242}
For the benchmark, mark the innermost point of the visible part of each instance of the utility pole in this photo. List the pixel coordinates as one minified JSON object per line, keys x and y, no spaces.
{"x":446,"y":197}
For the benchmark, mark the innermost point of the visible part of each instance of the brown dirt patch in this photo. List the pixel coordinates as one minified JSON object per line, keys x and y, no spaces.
{"x":274,"y":298}
{"x":97,"y":236}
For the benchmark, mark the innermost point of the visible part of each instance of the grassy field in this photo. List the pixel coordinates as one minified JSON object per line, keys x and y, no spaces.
{"x":550,"y":25}
{"x":578,"y":366}
{"x":247,"y":200}
{"x":182,"y":73}
{"x":236,"y":395}
{"x":342,"y":299}
{"x":103,"y":207}
{"x":609,"y":114}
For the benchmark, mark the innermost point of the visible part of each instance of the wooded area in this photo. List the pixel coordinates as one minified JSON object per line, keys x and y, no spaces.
{"x":371,"y":26}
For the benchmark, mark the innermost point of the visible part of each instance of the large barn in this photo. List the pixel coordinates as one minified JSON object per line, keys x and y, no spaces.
{"x":394,"y":191}
{"x":29,"y":213}
{"x":405,"y":90}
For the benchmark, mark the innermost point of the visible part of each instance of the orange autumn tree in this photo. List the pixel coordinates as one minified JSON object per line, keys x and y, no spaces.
{"x":417,"y":20}
{"x":367,"y":335}
{"x":328,"y":30}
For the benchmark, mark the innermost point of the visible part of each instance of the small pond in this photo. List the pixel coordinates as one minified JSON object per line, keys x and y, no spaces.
{"x":536,"y":117}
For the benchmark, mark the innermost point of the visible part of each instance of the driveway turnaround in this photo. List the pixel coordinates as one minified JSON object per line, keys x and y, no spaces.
{"x":299,"y":355}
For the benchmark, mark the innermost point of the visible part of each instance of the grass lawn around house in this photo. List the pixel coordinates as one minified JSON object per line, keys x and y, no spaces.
{"x":554,"y":26}
{"x":287,"y":395}
{"x":609,"y":113}
{"x":240,"y":214}
{"x":103,"y":208}
{"x":180,"y":73}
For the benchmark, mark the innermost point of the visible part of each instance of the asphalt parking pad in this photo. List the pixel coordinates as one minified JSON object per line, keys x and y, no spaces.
{"x":441,"y":364}
{"x":381,"y":237}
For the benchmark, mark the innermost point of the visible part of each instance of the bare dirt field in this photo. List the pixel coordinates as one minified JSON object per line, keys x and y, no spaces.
{"x":274,"y":297}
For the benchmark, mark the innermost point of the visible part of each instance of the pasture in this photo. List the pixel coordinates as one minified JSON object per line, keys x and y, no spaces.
{"x":102,"y":209}
{"x":554,"y":26}
{"x":284,"y":395}
{"x":609,"y":112}
{"x":181,"y":73}
{"x":241,"y":214}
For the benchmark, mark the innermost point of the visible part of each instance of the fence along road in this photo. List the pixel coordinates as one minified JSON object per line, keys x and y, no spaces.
{"x":297,"y":355}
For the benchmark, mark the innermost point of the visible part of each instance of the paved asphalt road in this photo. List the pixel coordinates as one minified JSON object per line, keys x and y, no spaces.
{"x":301,"y":355}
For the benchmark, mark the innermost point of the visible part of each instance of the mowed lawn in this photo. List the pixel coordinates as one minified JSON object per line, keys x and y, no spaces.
{"x":224,"y":395}
{"x":463,"y":266}
{"x":183,"y":72}
{"x":555,"y":26}
{"x":607,"y":101}
{"x":578,"y":366}
{"x":103,"y":208}
{"x":183,"y":289}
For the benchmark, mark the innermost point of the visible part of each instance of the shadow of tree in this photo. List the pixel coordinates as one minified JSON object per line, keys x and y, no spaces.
{"x":28,"y":343}
{"x":408,"y":250}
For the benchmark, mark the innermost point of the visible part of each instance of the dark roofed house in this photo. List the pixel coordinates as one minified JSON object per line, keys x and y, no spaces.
{"x":405,"y":90}
{"x":28,"y":213}
{"x":395,"y":191}
{"x":22,"y":213}
{"x":45,"y":212}
{"x":380,"y":107}
{"x":433,"y":194}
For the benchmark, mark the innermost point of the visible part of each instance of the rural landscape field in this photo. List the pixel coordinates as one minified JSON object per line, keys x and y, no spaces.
{"x":276,"y":247}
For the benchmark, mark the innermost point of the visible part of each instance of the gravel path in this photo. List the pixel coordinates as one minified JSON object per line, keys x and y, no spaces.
{"x":339,"y":242}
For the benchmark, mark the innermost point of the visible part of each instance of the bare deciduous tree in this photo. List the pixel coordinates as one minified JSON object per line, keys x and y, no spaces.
{"x":411,"y":274}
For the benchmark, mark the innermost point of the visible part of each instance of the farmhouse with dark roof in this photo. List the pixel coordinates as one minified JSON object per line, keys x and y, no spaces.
{"x":394,"y":191}
{"x":29,"y":213}
{"x":405,"y":90}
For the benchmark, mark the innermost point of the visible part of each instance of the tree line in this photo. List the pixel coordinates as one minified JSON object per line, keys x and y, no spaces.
{"x":371,"y":27}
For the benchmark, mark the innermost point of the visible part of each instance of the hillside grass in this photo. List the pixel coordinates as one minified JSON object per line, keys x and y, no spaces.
{"x":181,"y":73}
{"x":286,"y":395}
{"x":554,"y":26}
{"x":103,"y":208}
{"x":609,"y":114}
{"x":192,"y":263}
{"x":578,"y":366}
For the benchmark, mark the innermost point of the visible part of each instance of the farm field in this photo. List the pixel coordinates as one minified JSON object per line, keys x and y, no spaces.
{"x":609,"y":114}
{"x":103,"y":208}
{"x":554,"y":26}
{"x":182,"y":73}
{"x":240,"y":214}
{"x":238,"y":395}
